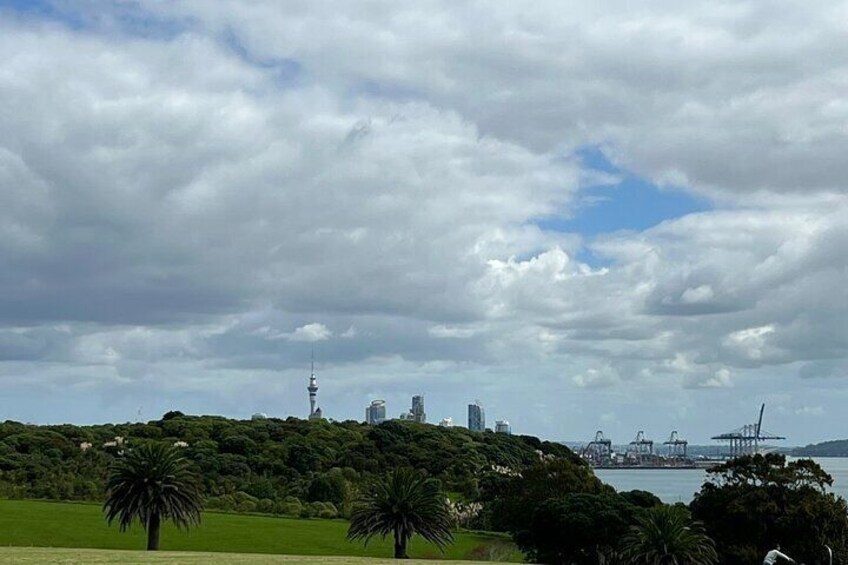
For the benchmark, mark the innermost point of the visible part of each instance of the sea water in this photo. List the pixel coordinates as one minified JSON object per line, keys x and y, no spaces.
{"x":680,"y":485}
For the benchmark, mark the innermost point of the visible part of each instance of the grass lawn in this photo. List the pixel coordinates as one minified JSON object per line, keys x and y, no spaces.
{"x":26,"y":523}
{"x":34,"y":555}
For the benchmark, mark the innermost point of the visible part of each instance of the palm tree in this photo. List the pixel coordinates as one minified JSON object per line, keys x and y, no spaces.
{"x":152,"y":483}
{"x":404,"y":504}
{"x":666,"y":535}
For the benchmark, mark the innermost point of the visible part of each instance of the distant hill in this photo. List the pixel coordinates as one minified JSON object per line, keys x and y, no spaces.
{"x":832,"y":448}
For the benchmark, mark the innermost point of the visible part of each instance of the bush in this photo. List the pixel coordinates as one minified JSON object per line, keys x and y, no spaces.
{"x":290,"y":506}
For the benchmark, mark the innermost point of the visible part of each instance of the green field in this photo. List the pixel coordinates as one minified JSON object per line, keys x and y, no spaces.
{"x":33,"y":556}
{"x":25,"y":523}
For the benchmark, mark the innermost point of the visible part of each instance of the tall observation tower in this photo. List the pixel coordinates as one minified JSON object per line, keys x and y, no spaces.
{"x":314,"y":410}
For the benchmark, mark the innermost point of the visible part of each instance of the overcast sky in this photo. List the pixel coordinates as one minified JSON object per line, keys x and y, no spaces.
{"x":621,"y":216}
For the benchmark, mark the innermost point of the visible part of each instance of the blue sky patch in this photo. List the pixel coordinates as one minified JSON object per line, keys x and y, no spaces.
{"x":43,"y":9}
{"x":632,"y":203}
{"x":129,"y":18}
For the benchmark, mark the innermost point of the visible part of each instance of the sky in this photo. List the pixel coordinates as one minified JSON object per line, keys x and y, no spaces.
{"x":586,"y":216}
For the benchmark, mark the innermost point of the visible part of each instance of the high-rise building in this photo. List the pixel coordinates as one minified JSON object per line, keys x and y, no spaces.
{"x":314,"y":409}
{"x":375,"y":413}
{"x":476,"y":417}
{"x":418,"y":413}
{"x":502,"y":427}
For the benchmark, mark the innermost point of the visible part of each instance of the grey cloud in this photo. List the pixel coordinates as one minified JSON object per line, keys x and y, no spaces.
{"x":166,"y":196}
{"x":733,"y":97}
{"x":823,"y":369}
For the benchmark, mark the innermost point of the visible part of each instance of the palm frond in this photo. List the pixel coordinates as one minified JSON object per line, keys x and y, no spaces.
{"x":666,"y":535}
{"x":152,"y":480}
{"x":404,"y":504}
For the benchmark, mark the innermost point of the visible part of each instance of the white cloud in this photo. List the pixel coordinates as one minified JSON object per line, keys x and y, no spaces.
{"x":703,"y":293}
{"x":750,"y":342}
{"x":596,"y":378}
{"x":448,"y":332}
{"x":720,"y":379}
{"x":809,"y":411}
{"x":311,"y":332}
{"x":178,"y":207}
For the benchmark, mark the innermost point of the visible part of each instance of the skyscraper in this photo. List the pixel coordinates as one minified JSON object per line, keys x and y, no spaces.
{"x":375,"y":413}
{"x":418,"y":414}
{"x":503,"y":427}
{"x":314,"y":409}
{"x":476,"y":417}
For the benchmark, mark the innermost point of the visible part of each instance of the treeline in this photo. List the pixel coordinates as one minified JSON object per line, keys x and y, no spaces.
{"x":833,"y":448}
{"x":291,"y":466}
{"x":532,"y":489}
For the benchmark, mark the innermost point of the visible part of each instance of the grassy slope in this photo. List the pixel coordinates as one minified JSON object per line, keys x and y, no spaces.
{"x":28,"y":555}
{"x":51,"y":524}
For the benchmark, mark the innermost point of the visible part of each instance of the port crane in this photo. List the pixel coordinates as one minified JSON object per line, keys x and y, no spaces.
{"x":676,"y":446}
{"x":599,"y":450}
{"x":746,"y":439}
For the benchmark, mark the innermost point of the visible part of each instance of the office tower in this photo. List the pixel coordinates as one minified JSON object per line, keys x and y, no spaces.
{"x":476,"y":417}
{"x":375,"y":413}
{"x":418,"y":413}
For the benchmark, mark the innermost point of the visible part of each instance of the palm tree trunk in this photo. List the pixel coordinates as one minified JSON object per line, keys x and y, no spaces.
{"x":400,"y":549}
{"x":400,"y":544}
{"x":153,"y":526}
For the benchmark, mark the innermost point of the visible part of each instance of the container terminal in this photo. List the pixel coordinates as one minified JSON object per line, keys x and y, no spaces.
{"x":641,"y":452}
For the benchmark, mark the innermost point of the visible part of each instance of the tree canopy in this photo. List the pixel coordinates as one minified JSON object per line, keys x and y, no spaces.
{"x":577,"y":528}
{"x":403,"y":504}
{"x":753,"y":502}
{"x":292,"y":466}
{"x":667,"y":535}
{"x":151,"y":483}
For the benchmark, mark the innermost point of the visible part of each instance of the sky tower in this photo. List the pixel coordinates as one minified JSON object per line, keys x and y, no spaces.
{"x":314,"y":410}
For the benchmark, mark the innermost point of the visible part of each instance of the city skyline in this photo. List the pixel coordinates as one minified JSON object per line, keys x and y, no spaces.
{"x":630,"y":219}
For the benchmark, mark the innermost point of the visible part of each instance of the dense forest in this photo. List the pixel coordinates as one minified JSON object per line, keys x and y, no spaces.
{"x":833,"y":448}
{"x":292,"y":466}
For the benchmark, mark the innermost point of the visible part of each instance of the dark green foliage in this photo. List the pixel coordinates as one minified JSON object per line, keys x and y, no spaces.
{"x":641,"y":498}
{"x":329,"y":487}
{"x":753,"y":502}
{"x":580,"y":529}
{"x":666,"y":535}
{"x":511,"y":499}
{"x":267,"y":459}
{"x":149,"y":484}
{"x":403,"y":504}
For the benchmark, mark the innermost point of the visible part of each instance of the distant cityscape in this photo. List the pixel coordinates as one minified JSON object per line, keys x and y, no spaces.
{"x":599,"y":452}
{"x":375,"y":412}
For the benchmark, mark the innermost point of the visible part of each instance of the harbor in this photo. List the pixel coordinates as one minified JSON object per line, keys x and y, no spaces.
{"x":643,"y":453}
{"x":680,"y":484}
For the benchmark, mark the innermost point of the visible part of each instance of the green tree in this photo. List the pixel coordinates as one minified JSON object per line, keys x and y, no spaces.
{"x":752,"y":502}
{"x":153,"y":482}
{"x":511,"y":499}
{"x":666,"y":535}
{"x":579,"y":528}
{"x":641,"y":498}
{"x":329,"y":487}
{"x":406,"y":503}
